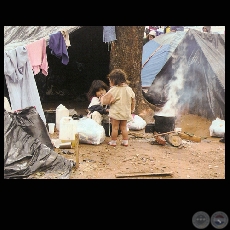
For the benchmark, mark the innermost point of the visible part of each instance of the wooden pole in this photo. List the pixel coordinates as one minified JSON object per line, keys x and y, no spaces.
{"x":189,"y":137}
{"x":77,"y":149}
{"x":142,"y":174}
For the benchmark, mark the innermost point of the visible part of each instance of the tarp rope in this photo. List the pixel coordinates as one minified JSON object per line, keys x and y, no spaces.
{"x":151,"y":56}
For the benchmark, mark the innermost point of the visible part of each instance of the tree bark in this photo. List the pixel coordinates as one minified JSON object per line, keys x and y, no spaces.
{"x":126,"y":54}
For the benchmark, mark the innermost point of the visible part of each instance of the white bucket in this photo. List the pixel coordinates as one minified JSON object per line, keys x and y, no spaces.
{"x":67,"y":130}
{"x":61,"y":111}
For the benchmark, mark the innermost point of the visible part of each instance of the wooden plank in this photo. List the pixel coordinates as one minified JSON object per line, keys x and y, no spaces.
{"x":77,"y":149}
{"x":119,"y":175}
{"x":188,"y":137}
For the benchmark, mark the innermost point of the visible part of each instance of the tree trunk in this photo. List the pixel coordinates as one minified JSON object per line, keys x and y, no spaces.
{"x":126,"y":54}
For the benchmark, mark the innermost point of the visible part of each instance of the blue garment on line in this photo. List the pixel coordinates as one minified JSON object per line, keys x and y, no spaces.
{"x":58,"y":47}
{"x":109,"y":33}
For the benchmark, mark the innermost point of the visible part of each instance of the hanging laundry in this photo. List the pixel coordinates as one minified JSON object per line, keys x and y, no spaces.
{"x":7,"y":106}
{"x":58,"y":47}
{"x":66,"y":38}
{"x":37,"y":56}
{"x":20,"y":81}
{"x":109,"y":34}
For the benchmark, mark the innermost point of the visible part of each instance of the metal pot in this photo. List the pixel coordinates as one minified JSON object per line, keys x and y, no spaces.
{"x":164,"y":124}
{"x":50,"y":116}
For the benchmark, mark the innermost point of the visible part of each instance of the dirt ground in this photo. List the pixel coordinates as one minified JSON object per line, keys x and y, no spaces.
{"x":192,"y":160}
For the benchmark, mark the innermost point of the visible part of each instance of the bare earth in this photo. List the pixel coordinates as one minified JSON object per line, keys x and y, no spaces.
{"x":193,"y":160}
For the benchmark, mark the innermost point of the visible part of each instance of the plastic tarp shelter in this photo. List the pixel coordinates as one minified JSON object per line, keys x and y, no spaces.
{"x":22,"y":35}
{"x":155,"y":54}
{"x":153,"y":59}
{"x":193,"y":77}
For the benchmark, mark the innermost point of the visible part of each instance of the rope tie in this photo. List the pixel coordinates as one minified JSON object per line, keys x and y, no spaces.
{"x":151,"y":56}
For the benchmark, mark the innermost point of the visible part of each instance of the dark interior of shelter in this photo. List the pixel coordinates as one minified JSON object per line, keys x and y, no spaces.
{"x":89,"y":59}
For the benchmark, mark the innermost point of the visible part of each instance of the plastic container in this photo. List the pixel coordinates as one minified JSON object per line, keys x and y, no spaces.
{"x":51,"y":127}
{"x":75,"y":123}
{"x":61,"y":111}
{"x":67,"y":130}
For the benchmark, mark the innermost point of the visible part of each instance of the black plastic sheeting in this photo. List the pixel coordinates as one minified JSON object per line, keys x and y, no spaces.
{"x":31,"y":122}
{"x":25,"y":153}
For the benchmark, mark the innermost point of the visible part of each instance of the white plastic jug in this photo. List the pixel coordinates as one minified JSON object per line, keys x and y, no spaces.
{"x":61,"y":111}
{"x":67,"y":130}
{"x":75,"y":122}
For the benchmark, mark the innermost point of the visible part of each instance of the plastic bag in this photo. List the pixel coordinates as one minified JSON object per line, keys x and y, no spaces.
{"x":137,"y":123}
{"x":217,"y":128}
{"x":90,"y":132}
{"x":25,"y":156}
{"x":31,"y":122}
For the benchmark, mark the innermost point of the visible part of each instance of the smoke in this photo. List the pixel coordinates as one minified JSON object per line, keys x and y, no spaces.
{"x":190,"y":88}
{"x":174,"y":87}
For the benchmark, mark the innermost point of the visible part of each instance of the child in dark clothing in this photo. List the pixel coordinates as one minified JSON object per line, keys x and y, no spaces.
{"x":95,"y":109}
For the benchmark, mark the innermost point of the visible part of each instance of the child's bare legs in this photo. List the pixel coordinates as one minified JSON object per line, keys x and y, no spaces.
{"x":124,"y":132}
{"x":115,"y":128}
{"x":116,"y":125}
{"x":123,"y":128}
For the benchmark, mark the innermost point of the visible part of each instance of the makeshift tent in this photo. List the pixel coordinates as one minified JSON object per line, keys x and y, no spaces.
{"x":27,"y":147}
{"x":153,"y":59}
{"x":155,"y":54}
{"x":193,"y":77}
{"x":89,"y":58}
{"x":22,"y":35}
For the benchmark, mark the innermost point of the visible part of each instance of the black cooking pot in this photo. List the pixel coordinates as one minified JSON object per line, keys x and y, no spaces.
{"x":50,"y":116}
{"x":164,"y":124}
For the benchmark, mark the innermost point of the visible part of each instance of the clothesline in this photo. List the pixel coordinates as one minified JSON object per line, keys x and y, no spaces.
{"x":23,"y":35}
{"x":31,"y":57}
{"x":28,"y":34}
{"x":23,"y":62}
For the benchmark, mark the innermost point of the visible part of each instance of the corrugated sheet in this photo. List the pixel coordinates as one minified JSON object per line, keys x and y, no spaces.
{"x":22,"y":35}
